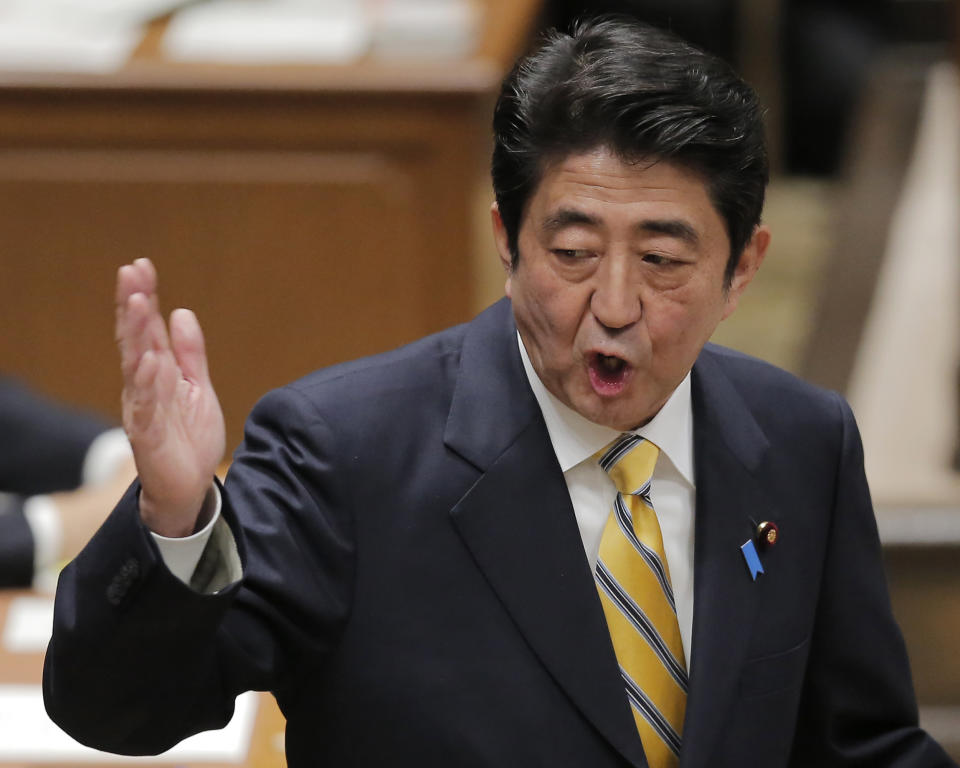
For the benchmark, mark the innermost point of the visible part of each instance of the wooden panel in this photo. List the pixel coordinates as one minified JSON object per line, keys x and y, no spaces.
{"x":292,"y":260}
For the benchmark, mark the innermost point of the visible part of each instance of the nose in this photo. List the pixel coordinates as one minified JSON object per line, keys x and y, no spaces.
{"x":615,"y":301}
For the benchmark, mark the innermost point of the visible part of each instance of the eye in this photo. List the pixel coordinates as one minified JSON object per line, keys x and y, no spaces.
{"x":658,"y":259}
{"x":572,"y":254}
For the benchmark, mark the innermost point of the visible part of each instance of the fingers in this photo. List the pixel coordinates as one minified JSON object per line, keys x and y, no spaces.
{"x":138,"y":277}
{"x":155,"y":363}
{"x":150,"y":398}
{"x":143,"y":330}
{"x":141,"y":396}
{"x":139,"y":326}
{"x":186,"y":339}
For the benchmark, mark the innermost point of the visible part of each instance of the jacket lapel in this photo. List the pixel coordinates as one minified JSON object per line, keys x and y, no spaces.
{"x":519,"y":525}
{"x":729,"y":448}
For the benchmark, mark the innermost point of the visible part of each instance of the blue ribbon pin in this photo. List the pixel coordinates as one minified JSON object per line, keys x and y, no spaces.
{"x":752,"y":558}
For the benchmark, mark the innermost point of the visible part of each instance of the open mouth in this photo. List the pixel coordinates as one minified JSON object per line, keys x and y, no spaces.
{"x":608,"y":373}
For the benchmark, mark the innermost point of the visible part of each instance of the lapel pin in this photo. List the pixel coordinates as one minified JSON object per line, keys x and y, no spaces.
{"x":767,"y":534}
{"x":749,"y":550}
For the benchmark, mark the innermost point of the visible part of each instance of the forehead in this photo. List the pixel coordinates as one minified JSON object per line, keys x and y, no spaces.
{"x":606,"y":186}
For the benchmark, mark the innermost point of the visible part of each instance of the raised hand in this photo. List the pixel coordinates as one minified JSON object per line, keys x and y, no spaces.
{"x":170,"y":411}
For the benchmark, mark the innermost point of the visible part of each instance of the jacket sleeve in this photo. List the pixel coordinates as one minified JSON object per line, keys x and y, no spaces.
{"x":42,"y":443}
{"x":16,"y":544}
{"x":138,"y":661}
{"x":858,"y":706}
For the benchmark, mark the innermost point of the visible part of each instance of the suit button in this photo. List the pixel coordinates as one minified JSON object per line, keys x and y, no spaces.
{"x":767,"y":534}
{"x":126,"y":577}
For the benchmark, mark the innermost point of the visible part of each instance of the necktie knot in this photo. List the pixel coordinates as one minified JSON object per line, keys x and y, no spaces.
{"x":630,"y":460}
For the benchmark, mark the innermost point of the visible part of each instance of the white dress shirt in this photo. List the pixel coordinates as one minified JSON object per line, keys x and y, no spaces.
{"x":575,"y":440}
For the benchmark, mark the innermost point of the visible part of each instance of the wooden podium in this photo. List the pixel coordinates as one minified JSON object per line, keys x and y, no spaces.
{"x":308,"y":214}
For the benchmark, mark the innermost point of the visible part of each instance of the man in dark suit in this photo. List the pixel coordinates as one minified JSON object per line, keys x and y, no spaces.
{"x":415,"y":552}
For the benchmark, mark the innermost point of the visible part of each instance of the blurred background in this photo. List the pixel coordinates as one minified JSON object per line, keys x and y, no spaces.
{"x":310,"y":176}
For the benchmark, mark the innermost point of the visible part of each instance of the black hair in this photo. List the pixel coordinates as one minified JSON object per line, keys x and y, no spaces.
{"x":644,"y":94}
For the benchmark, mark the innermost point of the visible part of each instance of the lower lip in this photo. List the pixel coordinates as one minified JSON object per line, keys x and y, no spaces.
{"x":607,"y":386}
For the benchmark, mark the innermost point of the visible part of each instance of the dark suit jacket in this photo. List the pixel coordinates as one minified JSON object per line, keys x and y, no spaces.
{"x":42,"y":448}
{"x":416,"y":592}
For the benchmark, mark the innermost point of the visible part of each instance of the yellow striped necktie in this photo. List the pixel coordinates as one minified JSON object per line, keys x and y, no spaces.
{"x":634,"y":585}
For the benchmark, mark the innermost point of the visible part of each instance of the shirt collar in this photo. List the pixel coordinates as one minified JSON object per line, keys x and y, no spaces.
{"x":575,"y":438}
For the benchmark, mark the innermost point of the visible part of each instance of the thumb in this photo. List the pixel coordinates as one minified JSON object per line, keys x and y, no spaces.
{"x":186,"y":339}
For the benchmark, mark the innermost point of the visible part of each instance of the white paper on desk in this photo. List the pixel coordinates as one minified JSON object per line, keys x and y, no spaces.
{"x":28,"y":625}
{"x":426,"y":29}
{"x":35,"y":46}
{"x":88,"y":14}
{"x":255,"y":31}
{"x":28,"y":735}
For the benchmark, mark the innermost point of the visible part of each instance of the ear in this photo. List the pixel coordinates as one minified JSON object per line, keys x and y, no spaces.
{"x":750,"y":261}
{"x":503,"y":244}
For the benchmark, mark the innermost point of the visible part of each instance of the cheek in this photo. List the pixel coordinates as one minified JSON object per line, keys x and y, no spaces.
{"x":668,"y":317}
{"x":556,"y":328}
{"x":550,"y":306}
{"x":680,"y":320}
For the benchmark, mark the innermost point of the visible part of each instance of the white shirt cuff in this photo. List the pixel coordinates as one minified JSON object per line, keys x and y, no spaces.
{"x":182,"y":555}
{"x":43,"y":517}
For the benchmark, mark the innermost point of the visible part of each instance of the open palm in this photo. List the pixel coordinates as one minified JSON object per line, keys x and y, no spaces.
{"x":170,"y":410}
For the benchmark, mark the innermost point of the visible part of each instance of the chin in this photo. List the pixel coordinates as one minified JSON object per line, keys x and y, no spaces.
{"x":605,"y":414}
{"x":623,"y":424}
{"x":616,"y":413}
{"x":622,"y":416}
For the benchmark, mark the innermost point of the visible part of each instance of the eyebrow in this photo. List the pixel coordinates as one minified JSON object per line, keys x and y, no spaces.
{"x":677,"y":228}
{"x":566,"y":217}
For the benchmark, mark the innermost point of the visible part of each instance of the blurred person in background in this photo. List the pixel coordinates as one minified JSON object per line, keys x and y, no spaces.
{"x":58,"y":467}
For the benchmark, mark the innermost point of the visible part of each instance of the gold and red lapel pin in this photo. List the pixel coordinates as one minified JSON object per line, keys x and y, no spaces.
{"x":767,"y":535}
